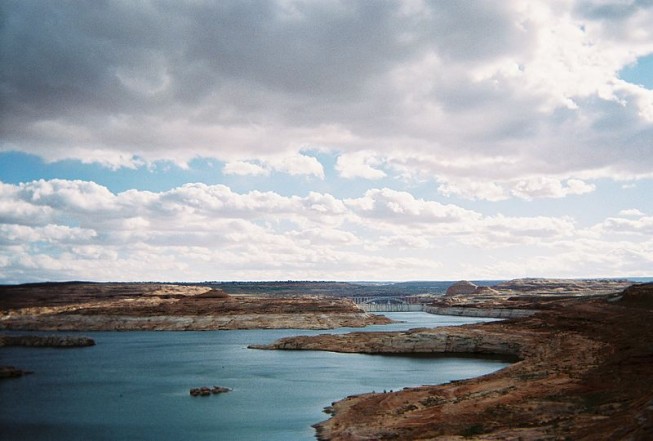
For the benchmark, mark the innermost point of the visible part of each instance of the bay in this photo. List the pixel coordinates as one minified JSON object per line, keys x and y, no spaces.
{"x":135,"y":385}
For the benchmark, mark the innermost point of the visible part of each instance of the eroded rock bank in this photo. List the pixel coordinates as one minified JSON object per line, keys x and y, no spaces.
{"x":585,"y":374}
{"x":210,"y":322}
{"x":147,"y":306}
{"x":470,"y":311}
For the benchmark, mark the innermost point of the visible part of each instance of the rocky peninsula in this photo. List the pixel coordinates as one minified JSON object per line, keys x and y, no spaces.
{"x":584,"y":373}
{"x":150,"y":306}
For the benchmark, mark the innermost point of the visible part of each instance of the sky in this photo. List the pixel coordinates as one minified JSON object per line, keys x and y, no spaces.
{"x":325,"y":140}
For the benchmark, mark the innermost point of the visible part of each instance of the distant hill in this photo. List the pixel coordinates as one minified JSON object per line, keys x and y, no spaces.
{"x":340,"y":289}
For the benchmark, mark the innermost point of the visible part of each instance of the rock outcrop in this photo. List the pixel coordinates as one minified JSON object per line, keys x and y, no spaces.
{"x":584,"y":374}
{"x":525,"y":294}
{"x":637,"y":296}
{"x":12,"y":372}
{"x":461,"y":288}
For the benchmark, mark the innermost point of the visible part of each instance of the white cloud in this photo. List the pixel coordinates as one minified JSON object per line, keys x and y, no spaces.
{"x":393,"y":206}
{"x":295,"y":164}
{"x":550,"y":188}
{"x":359,"y":165}
{"x":528,"y":188}
{"x":81,"y":230}
{"x":244,"y":168}
{"x":298,"y":164}
{"x":642,"y":226}
{"x":473,"y":189}
{"x":13,"y":233}
{"x":631,"y":212}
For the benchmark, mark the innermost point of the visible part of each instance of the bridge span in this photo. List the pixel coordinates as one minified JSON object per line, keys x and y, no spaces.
{"x":389,"y":304}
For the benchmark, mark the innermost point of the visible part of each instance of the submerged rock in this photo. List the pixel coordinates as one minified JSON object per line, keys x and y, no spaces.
{"x":12,"y":372}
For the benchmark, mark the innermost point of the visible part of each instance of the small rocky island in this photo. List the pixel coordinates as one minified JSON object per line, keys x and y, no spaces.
{"x":39,"y":341}
{"x":206,"y":391}
{"x":46,"y":341}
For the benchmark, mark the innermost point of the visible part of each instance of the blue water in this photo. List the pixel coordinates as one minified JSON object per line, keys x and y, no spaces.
{"x":135,"y":385}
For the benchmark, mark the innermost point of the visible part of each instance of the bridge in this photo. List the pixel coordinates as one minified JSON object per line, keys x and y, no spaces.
{"x":389,"y":303}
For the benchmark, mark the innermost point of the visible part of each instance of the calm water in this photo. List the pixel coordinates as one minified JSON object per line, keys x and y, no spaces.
{"x":134,"y":385}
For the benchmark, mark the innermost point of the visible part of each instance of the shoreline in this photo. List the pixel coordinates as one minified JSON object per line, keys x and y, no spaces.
{"x":159,"y":323}
{"x":584,"y":373}
{"x":469,"y":311}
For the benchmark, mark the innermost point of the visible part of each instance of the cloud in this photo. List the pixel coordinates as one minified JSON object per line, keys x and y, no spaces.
{"x":244,"y":168}
{"x":641,"y":226}
{"x":445,"y":87}
{"x":391,"y":206}
{"x":297,"y":164}
{"x":81,"y":230}
{"x":18,"y":234}
{"x":631,"y":212}
{"x":528,"y":189}
{"x":359,"y":165}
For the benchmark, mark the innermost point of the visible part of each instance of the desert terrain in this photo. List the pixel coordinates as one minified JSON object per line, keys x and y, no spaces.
{"x":584,"y":373}
{"x":161,"y":307}
{"x":582,"y":350}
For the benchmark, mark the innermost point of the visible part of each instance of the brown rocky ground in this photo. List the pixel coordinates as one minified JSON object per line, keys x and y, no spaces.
{"x":586,"y":373}
{"x":147,"y":306}
{"x":533,"y":293}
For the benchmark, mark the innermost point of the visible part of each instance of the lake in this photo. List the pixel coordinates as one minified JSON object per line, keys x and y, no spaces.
{"x":135,"y":385}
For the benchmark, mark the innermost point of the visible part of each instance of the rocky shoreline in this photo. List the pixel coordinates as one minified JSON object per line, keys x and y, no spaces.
{"x":161,"y":307}
{"x":467,"y":311}
{"x":471,"y":339}
{"x":80,"y":322}
{"x":584,"y":374}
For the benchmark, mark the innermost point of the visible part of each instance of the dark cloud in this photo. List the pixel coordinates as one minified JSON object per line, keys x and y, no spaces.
{"x":174,"y":80}
{"x":65,"y":58}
